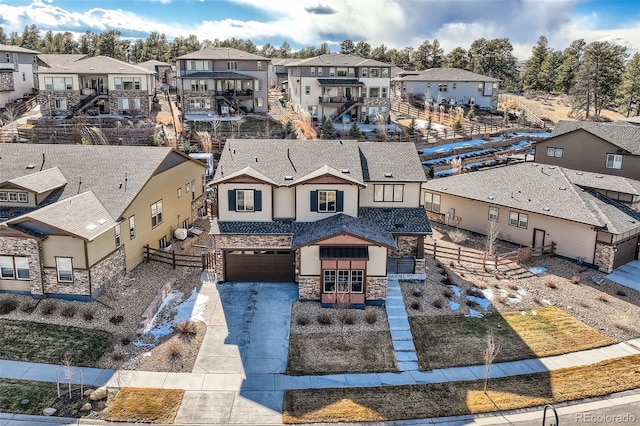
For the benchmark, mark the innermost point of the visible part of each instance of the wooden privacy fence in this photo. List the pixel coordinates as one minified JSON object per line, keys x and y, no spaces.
{"x":204,"y":261}
{"x":506,"y":260}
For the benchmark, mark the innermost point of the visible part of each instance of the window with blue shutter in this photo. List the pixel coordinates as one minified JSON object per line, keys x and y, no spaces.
{"x":339,"y":201}
{"x":257,"y":201}
{"x":314,"y":201}
{"x":232,"y":200}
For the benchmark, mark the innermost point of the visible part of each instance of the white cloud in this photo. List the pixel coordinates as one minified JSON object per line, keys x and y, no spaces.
{"x":394,"y":23}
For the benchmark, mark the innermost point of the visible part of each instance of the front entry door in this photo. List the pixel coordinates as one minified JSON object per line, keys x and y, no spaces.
{"x":538,"y":238}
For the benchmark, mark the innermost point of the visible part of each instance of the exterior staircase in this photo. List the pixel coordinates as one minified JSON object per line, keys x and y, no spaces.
{"x":284,"y":113}
{"x":84,"y":103}
{"x":345,"y":108}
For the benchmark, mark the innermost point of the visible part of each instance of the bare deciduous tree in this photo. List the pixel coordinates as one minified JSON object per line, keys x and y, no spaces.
{"x":493,"y":233}
{"x":341,"y":308}
{"x":491,"y":350}
{"x":205,"y":140}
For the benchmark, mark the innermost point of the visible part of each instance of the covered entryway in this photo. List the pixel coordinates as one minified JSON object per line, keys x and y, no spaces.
{"x":259,"y":265}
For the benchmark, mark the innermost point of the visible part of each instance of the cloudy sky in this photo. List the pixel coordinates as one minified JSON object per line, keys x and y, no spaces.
{"x":394,"y":23}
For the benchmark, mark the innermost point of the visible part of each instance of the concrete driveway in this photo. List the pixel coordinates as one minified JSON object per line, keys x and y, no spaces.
{"x":245,"y":346}
{"x":628,"y":275}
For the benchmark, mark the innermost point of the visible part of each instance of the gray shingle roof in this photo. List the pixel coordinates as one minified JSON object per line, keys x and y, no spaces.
{"x":287,"y":157}
{"x":276,"y":227}
{"x":337,"y":60}
{"x":398,"y":220}
{"x":219,"y":74}
{"x":621,"y":134}
{"x":530,"y":187}
{"x":152,"y":64}
{"x":100,"y":169}
{"x":604,"y":182}
{"x":58,"y":59}
{"x":97,"y":65}
{"x":342,"y":224}
{"x":82,"y":215}
{"x":222,"y":53}
{"x":399,"y":158}
{"x":16,"y":49}
{"x":447,"y":74}
{"x":617,"y":218}
{"x":366,"y":161}
{"x":41,"y":181}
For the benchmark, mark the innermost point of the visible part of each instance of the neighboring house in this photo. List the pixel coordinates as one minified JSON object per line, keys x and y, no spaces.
{"x":450,"y":86}
{"x":17,"y":73}
{"x":326,"y":214}
{"x":278,"y":72}
{"x":99,"y":84}
{"x":165,"y":73}
{"x":606,"y":148}
{"x":75,"y":218}
{"x":536,"y":204}
{"x":222,"y":80}
{"x":334,"y":85}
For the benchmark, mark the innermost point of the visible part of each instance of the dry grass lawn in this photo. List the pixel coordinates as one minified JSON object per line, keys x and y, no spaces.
{"x":146,"y":405}
{"x":459,"y":398}
{"x":451,"y":341}
{"x":324,"y":353}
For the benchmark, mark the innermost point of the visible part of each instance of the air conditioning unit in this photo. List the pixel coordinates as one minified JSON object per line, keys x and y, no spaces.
{"x":451,"y":214}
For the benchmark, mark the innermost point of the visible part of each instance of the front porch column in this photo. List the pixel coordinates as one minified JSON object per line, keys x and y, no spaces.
{"x":420,"y":248}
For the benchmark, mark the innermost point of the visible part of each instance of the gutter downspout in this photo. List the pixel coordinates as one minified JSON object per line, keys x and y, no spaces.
{"x":86,"y":262}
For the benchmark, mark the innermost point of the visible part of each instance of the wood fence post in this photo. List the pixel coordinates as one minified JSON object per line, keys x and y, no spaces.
{"x":173,"y":258}
{"x":484,"y":261}
{"x":434,"y":248}
{"x":458,"y":255}
{"x":146,"y":253}
{"x":496,"y":261}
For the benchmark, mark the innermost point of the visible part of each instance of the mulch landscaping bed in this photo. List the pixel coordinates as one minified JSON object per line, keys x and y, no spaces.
{"x":146,"y":405}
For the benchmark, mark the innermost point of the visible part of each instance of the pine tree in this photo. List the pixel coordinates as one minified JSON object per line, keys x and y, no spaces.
{"x":412,"y":127}
{"x":532,"y":72}
{"x":629,"y":92}
{"x":355,"y":132}
{"x":328,"y":129}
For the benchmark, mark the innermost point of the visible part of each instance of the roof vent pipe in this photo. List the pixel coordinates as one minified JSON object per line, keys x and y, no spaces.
{"x":42,"y":165}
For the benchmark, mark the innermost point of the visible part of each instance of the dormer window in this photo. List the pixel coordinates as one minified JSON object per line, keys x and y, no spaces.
{"x":14,"y":197}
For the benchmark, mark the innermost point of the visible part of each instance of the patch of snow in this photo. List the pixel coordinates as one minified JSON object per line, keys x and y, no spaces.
{"x":455,"y":289}
{"x":453,"y":305}
{"x":474,"y":314}
{"x":522,"y":292}
{"x":174,"y":310}
{"x":482,"y":302}
{"x":488,"y":293}
{"x":538,"y":270}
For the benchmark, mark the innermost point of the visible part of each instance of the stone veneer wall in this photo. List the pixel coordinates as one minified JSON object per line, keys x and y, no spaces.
{"x":79,"y":286}
{"x":27,"y":247}
{"x":197,"y":204}
{"x":420,"y":266}
{"x":376,"y":288}
{"x":377,"y":102}
{"x":188,"y":94}
{"x":604,"y":257}
{"x":407,"y":247}
{"x":46,"y":99}
{"x":6,"y":81}
{"x":129,"y":94}
{"x":309,"y":288}
{"x":108,"y":271}
{"x":240,"y":242}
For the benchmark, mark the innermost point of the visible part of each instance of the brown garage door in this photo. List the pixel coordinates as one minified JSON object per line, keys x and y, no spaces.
{"x":259,"y":265}
{"x":626,"y":252}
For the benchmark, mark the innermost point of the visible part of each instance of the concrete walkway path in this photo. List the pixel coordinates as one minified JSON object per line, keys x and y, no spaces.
{"x":239,"y":377}
{"x":628,"y":275}
{"x":401,"y":336}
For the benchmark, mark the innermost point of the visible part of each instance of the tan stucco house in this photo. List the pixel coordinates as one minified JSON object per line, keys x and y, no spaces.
{"x":535,"y":204}
{"x":74,"y":218}
{"x":325,"y":214}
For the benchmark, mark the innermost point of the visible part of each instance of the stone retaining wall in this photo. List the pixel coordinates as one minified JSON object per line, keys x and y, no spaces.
{"x":108,"y":271}
{"x":604,"y":257}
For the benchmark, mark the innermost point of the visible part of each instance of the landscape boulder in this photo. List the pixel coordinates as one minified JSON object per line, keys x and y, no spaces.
{"x":98,"y":394}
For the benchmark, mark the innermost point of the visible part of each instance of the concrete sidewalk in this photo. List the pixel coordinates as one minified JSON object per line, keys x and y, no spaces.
{"x":239,"y":377}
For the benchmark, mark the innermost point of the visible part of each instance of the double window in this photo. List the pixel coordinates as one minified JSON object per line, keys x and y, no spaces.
{"x":60,"y":103}
{"x":374,"y":92}
{"x":58,"y":83}
{"x":374,"y":72}
{"x":199,"y":103}
{"x":127,"y":83}
{"x":554,"y":152}
{"x":125,"y":104}
{"x":443,"y":87}
{"x":14,"y":197}
{"x":343,"y":281}
{"x":232,"y":65}
{"x":520,"y":220}
{"x":199,"y":85}
{"x":388,"y":192}
{"x":614,"y":161}
{"x":198,"y":65}
{"x":156,"y":213}
{"x":432,"y":202}
{"x":342,"y":72}
{"x":14,"y":268}
{"x":327,"y":201}
{"x":64,"y":266}
{"x":245,"y":200}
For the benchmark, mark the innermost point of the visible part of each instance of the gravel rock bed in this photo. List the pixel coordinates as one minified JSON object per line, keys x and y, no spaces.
{"x":127,"y":298}
{"x":312,"y":310}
